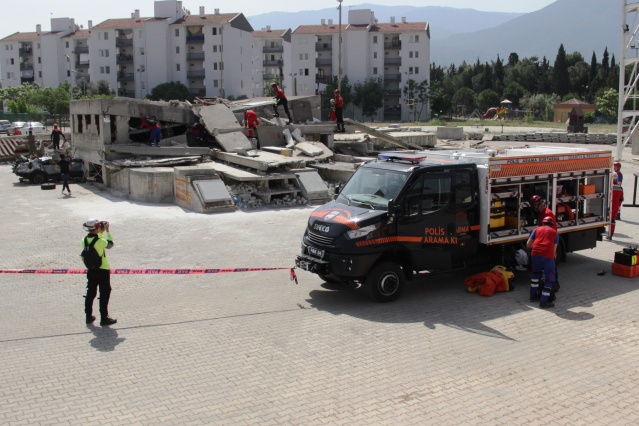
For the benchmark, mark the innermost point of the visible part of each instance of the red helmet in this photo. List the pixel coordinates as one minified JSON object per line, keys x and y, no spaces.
{"x":549,"y":220}
{"x":617,"y":163}
{"x":274,"y":85}
{"x":535,"y":199}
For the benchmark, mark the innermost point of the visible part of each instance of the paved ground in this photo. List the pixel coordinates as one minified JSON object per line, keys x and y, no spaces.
{"x":253,"y":348}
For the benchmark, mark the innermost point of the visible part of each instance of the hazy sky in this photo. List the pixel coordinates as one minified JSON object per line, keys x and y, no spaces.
{"x":24,"y":15}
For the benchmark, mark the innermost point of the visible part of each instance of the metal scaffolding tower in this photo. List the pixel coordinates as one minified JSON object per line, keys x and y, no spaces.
{"x":628,"y":116}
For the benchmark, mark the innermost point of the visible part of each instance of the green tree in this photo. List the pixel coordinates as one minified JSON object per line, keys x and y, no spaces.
{"x":170,"y":91}
{"x":17,"y":99}
{"x":560,"y":77}
{"x":440,"y":102}
{"x":464,"y":100}
{"x":486,"y":99}
{"x":346,"y":91}
{"x":514,"y":92}
{"x":369,"y":95}
{"x":540,"y":104}
{"x":416,"y":96}
{"x":608,"y":102}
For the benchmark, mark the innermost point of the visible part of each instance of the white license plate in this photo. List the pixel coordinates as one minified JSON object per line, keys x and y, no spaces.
{"x":315,"y":252}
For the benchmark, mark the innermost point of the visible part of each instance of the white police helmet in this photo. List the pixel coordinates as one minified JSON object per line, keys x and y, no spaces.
{"x":91,"y":225}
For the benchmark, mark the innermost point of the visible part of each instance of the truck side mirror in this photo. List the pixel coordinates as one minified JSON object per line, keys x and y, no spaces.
{"x":337,"y":189}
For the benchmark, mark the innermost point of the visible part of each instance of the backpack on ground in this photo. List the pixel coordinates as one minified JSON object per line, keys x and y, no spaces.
{"x":90,"y":256}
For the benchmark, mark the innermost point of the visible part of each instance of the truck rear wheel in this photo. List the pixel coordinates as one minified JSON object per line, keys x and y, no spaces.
{"x":385,"y":282}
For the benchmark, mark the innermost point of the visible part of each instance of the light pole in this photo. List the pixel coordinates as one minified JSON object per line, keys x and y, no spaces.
{"x":339,"y":54}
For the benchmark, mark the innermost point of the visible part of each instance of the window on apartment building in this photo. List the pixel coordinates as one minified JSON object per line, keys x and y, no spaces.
{"x":142,"y":85}
{"x":177,"y":49}
{"x":410,"y":54}
{"x":417,"y":54}
{"x":374,"y":70}
{"x":79,"y":121}
{"x":301,"y":71}
{"x":416,"y":70}
{"x":214,"y":30}
{"x":39,"y":60}
{"x":305,"y":71}
{"x":68,"y":73}
{"x":374,"y":55}
{"x":8,"y":76}
{"x":66,"y":44}
{"x":101,"y":70}
{"x":39,"y":74}
{"x":107,"y":70}
{"x":106,"y":35}
{"x":301,"y":56}
{"x":410,"y":70}
{"x":215,"y":66}
{"x":177,"y":32}
{"x":142,"y":51}
{"x":106,"y":53}
{"x":374,"y":39}
{"x":214,"y":48}
{"x":12,"y":60}
{"x":215,"y":83}
{"x":177,"y":67}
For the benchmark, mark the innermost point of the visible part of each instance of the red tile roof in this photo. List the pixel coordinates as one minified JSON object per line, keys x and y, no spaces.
{"x":24,"y":36}
{"x":318,"y":29}
{"x":400,"y":27}
{"x":80,"y":34}
{"x":207,"y":20}
{"x":268,"y":34}
{"x":116,"y":24}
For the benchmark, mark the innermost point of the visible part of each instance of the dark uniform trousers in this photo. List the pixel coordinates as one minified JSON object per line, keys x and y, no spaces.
{"x":98,"y":278}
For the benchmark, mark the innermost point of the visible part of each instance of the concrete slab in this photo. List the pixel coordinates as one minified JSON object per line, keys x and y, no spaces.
{"x":217,"y":116}
{"x":263,"y":162}
{"x":335,"y":172}
{"x":312,"y":186}
{"x":234,"y":140}
{"x":301,"y":111}
{"x":309,"y":149}
{"x":162,"y":151}
{"x":325,"y":155}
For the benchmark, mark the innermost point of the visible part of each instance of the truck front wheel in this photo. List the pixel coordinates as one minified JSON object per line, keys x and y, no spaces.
{"x":385,"y":282}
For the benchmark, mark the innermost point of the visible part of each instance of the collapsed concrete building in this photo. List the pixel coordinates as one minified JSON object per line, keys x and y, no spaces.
{"x":216,"y":167}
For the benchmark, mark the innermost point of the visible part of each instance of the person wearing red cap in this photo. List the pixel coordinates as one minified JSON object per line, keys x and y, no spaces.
{"x":339,"y":111}
{"x":280,"y":97}
{"x":543,"y":242}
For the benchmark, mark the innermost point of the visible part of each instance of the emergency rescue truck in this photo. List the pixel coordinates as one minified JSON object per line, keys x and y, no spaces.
{"x":411,"y":212}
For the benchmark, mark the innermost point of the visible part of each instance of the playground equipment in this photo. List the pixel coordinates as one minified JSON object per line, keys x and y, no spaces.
{"x":494,"y":113}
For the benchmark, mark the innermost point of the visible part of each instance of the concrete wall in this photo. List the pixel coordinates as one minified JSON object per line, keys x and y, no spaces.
{"x":152,"y":184}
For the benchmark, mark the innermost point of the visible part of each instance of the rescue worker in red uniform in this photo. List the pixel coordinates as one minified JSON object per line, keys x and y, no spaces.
{"x":617,"y":199}
{"x":339,"y":112}
{"x":540,"y":207}
{"x":331,"y":112}
{"x":617,"y":168}
{"x":543,"y":244}
{"x":280,"y":98}
{"x":251,"y":123}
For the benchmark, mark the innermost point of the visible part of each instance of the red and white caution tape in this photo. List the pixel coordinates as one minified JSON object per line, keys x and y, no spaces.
{"x":144,"y":271}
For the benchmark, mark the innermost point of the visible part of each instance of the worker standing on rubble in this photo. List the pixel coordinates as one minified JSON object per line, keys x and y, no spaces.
{"x":543,"y":243}
{"x":56,"y":134}
{"x":280,"y":98}
{"x":339,"y":111}
{"x":251,"y":123}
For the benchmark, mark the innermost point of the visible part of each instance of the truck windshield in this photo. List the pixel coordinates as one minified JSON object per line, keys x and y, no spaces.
{"x":372,"y":188}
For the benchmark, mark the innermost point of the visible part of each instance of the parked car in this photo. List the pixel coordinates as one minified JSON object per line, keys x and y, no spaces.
{"x":25,"y":126}
{"x":45,"y":169}
{"x":4,"y":124}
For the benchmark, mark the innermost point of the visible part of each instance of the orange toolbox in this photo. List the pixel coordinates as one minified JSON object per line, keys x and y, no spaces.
{"x":587,"y":189}
{"x":625,"y":270}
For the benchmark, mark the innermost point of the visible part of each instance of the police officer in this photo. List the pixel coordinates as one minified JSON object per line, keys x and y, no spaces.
{"x":543,"y":242}
{"x":99,"y":278}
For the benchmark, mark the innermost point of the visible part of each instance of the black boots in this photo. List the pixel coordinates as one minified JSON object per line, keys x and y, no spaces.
{"x":90,"y":319}
{"x":108,"y":321}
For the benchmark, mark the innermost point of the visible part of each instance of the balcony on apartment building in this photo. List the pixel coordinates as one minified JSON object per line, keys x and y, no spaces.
{"x":393,"y":45}
{"x":123,"y":58}
{"x":392,"y":77}
{"x":323,"y":62}
{"x":82,"y":63}
{"x":266,"y":76}
{"x":195,"y":39}
{"x":26,"y":49}
{"x":123,"y":42}
{"x":319,"y":47}
{"x":195,"y":56}
{"x":127,"y":93}
{"x":393,"y":61}
{"x":393,"y":92}
{"x":196,"y":73}
{"x":81,"y":49}
{"x":25,"y":66}
{"x":272,"y":62}
{"x":323,"y":79}
{"x":273,"y":49}
{"x":126,"y":76}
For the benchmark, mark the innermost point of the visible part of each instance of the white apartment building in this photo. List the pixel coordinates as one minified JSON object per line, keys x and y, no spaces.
{"x":36,"y":57}
{"x":220,"y":54}
{"x":398,"y":52}
{"x":271,"y":50}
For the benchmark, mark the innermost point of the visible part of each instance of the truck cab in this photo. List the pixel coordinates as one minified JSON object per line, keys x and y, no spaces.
{"x":402,"y":214}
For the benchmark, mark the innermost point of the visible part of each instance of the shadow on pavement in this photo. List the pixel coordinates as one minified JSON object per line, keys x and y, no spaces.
{"x":105,"y":338}
{"x":442,"y":300}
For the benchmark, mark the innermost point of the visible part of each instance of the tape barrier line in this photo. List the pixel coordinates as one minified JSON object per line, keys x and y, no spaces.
{"x":144,"y":271}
